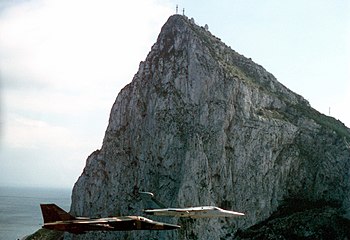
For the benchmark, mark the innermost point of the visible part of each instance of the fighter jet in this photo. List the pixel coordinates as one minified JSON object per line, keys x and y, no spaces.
{"x":154,"y":207}
{"x":56,"y":218}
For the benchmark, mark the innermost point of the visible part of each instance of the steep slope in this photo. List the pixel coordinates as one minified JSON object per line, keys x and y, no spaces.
{"x":201,"y":124}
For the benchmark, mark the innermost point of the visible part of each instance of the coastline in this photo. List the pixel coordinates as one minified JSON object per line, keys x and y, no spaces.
{"x":20,"y":207}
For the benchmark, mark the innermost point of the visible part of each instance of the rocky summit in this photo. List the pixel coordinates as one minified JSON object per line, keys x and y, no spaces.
{"x":201,"y":124}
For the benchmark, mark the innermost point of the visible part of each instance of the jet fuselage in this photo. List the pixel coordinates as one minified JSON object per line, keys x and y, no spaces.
{"x":193,"y":212}
{"x":58,"y":219}
{"x":125,"y":223}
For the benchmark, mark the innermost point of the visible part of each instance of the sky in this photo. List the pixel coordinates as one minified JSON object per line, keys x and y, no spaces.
{"x":63,"y":63}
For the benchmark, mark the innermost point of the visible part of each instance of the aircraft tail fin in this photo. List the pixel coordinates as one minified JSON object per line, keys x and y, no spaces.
{"x":53,"y":213}
{"x":150,"y":202}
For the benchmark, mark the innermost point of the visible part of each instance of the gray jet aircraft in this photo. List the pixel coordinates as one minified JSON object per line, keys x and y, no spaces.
{"x":154,"y":207}
{"x":56,"y":218}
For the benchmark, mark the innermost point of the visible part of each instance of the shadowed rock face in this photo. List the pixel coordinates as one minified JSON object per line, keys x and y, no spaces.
{"x":301,"y":219}
{"x":201,"y":124}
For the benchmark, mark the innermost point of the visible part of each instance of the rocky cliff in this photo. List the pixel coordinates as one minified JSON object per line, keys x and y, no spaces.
{"x":201,"y":124}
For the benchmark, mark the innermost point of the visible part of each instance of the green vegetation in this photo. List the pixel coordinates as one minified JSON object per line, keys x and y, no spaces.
{"x":327,"y":122}
{"x":44,"y":234}
{"x":301,"y":219}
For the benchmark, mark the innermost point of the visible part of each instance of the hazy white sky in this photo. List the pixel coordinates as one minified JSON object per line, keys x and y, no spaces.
{"x":63,"y":63}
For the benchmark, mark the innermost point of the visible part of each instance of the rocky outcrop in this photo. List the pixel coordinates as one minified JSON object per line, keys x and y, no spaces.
{"x":44,"y":234}
{"x":201,"y":124}
{"x":300,"y":219}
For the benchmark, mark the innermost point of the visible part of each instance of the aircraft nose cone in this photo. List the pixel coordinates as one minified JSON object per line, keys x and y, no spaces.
{"x":163,"y":226}
{"x":171,"y":227}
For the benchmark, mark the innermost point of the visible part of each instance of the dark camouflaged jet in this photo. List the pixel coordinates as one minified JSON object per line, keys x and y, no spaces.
{"x":57,"y":219}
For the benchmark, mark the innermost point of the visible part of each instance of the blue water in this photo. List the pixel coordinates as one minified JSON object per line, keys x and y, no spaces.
{"x":20,"y":212}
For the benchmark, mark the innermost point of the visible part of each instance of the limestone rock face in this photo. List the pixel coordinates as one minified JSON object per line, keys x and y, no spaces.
{"x":201,"y":124}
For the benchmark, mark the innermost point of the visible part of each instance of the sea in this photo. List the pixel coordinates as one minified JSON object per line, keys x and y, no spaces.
{"x":20,"y":213}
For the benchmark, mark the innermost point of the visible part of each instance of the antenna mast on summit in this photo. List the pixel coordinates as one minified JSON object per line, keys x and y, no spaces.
{"x":183,"y":11}
{"x":176,"y":8}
